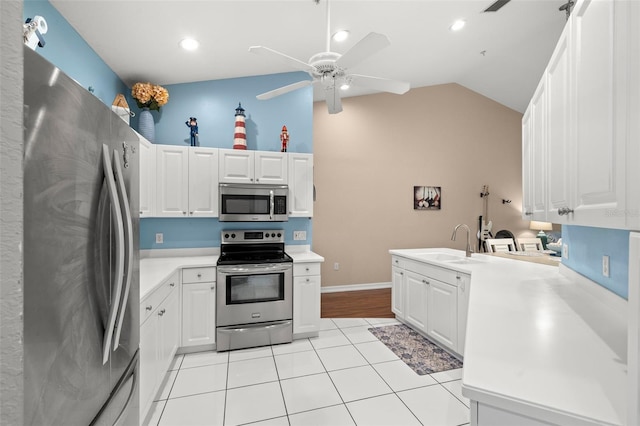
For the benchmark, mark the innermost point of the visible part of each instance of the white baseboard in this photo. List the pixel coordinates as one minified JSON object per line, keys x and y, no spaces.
{"x":354,"y":287}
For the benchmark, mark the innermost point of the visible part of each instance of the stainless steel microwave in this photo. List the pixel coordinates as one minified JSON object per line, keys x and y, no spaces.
{"x":253,"y":203}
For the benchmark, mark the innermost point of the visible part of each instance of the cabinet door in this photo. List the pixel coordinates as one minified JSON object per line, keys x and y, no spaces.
{"x":271,"y":168}
{"x":198,"y":314}
{"x":306,"y":304}
{"x":538,"y":153}
{"x":559,"y":141}
{"x":442,"y":313}
{"x":147,"y":177}
{"x":397,"y":292}
{"x":172,"y":181}
{"x":203,"y":182}
{"x":527,"y":189}
{"x":416,"y":300}
{"x":463,"y":308}
{"x":301,"y":185}
{"x":236,"y":166}
{"x":149,"y":362}
{"x":169,"y":330}
{"x":599,"y":157}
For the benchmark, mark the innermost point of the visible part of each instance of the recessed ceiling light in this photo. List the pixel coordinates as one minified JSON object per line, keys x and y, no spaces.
{"x":189,"y":44}
{"x":341,"y":35}
{"x":345,"y":86}
{"x":457,"y":25}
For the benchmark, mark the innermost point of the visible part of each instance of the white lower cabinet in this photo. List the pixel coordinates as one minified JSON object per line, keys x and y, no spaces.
{"x":159,"y":338}
{"x":306,"y":299}
{"x":416,"y":300}
{"x":198,"y":306}
{"x":432,"y":300}
{"x":442,"y":313}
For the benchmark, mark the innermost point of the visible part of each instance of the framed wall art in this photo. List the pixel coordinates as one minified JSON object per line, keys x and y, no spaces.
{"x":427,"y":198}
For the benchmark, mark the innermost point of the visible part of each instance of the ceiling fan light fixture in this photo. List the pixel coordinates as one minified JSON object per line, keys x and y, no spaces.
{"x":189,"y":44}
{"x":457,"y":25}
{"x":340,"y":35}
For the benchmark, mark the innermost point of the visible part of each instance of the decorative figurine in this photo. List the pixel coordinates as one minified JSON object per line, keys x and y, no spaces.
{"x":193,"y":124}
{"x":33,"y":31}
{"x":284,"y":138}
{"x":240,"y":135}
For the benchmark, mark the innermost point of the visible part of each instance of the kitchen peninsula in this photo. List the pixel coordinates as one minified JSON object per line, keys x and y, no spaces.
{"x":543,"y":344}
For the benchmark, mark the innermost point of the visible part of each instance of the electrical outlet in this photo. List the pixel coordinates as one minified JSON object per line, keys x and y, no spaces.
{"x":159,"y":238}
{"x":565,"y":251}
{"x":605,"y":266}
{"x":299,"y":235}
{"x":336,"y":266}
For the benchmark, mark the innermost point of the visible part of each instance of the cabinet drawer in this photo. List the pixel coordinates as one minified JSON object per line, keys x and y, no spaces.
{"x":153,"y":300}
{"x":302,"y":269}
{"x":445,"y":275}
{"x":198,"y":275}
{"x":398,"y":262}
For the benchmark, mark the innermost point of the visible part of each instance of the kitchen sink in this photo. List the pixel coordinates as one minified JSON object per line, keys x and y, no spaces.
{"x":464,"y":261}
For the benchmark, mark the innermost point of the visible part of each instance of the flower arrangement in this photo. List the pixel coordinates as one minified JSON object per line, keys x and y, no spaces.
{"x":149,"y":95}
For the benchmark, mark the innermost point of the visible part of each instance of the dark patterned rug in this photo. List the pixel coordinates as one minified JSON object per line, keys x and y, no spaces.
{"x":416,"y":351}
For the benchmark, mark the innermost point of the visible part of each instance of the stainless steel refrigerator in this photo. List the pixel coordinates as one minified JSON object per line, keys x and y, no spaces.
{"x":81,"y":274}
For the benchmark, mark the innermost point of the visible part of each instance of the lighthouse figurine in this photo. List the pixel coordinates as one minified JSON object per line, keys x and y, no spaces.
{"x":284,"y":138}
{"x":240,"y":135}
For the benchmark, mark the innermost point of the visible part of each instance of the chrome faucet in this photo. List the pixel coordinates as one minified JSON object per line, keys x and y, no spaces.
{"x":453,"y":237}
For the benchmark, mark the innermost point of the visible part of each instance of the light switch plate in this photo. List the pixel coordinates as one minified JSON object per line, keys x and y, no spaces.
{"x":565,"y":251}
{"x":299,"y":235}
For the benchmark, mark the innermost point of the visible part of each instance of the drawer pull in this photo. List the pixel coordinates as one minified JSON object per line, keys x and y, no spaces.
{"x":426,"y":282}
{"x":148,"y":308}
{"x":162,"y":311}
{"x":199,"y":275}
{"x":172,"y":284}
{"x":213,"y":287}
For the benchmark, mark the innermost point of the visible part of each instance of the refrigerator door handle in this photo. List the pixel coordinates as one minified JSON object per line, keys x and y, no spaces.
{"x":128,"y":235}
{"x":117,"y":279}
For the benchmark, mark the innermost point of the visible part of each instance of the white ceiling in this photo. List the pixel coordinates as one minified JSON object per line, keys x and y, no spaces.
{"x":139,"y":39}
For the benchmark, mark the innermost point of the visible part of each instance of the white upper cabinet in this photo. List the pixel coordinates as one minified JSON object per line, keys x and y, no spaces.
{"x":300,"y":185}
{"x":558,"y":84}
{"x":187,"y":181}
{"x":147,"y":177}
{"x":589,"y":133}
{"x":203,"y":182}
{"x":527,"y":190}
{"x":240,"y":166}
{"x":172,"y":180}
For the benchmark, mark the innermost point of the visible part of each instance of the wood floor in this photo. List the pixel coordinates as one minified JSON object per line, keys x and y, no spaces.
{"x":357,"y":304}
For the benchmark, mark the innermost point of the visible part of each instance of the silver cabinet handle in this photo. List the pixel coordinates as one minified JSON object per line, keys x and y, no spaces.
{"x":528,"y":213}
{"x":426,"y":282}
{"x":563,"y":211}
{"x":162,"y":311}
{"x":213,"y":287}
{"x":199,"y":275}
{"x":172,"y":284}
{"x":148,"y":308}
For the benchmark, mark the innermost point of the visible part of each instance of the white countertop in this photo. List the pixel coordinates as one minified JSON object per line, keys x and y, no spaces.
{"x":541,"y":341}
{"x":154,"y":270}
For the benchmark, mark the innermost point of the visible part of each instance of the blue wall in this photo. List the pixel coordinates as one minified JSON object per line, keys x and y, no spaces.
{"x":587,"y":245}
{"x":68,"y":51}
{"x":212,"y":102}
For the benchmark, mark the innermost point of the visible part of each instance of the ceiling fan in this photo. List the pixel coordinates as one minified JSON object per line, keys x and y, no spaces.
{"x":330,"y":69}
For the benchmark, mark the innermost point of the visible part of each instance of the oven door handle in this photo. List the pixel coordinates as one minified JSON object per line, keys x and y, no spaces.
{"x":253,"y":268}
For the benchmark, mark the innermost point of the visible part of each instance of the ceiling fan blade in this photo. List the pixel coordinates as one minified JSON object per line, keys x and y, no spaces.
{"x":288,"y":60}
{"x":284,"y":89}
{"x":332,"y":96}
{"x":382,"y":84}
{"x":370,"y":44}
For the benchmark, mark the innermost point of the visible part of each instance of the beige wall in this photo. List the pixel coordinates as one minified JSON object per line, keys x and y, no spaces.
{"x":368,"y":158}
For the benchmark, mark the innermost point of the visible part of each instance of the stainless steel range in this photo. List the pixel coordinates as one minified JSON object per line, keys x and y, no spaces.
{"x":255,"y":290}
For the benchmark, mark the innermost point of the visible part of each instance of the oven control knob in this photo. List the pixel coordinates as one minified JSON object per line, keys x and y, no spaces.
{"x":233,"y":235}
{"x":273,"y":235}
{"x":279,"y":235}
{"x":226,"y":235}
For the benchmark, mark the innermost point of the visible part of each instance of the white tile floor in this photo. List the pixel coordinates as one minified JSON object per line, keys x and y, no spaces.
{"x":345,"y":376}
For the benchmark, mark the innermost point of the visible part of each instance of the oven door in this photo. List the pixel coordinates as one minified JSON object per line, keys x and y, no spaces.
{"x":249,"y":294}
